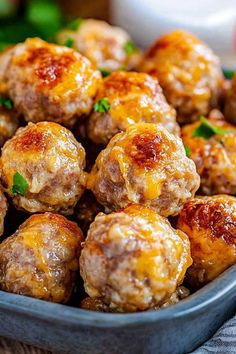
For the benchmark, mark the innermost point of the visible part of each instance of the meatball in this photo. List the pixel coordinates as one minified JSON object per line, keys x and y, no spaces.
{"x":210,"y":223}
{"x":147,"y":165}
{"x":5,"y":57}
{"x":50,"y":82}
{"x":8,"y":124}
{"x":131,"y":98}
{"x":41,"y":259}
{"x":230,"y":105}
{"x":212,"y":146}
{"x":188,"y":71}
{"x":42,"y":168}
{"x":3,"y":211}
{"x":109,"y":48}
{"x":96,"y":304}
{"x":133,"y":259}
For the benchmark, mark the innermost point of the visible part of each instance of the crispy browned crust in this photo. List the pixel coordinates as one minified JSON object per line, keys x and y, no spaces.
{"x":41,"y":259}
{"x":210,"y":223}
{"x":188,"y":71}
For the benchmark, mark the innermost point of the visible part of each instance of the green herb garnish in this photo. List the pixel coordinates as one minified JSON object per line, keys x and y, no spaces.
{"x":229,"y":74}
{"x":130,"y":47}
{"x":69,"y":43}
{"x":75,"y":24}
{"x":187,"y":150}
{"x":105,"y":73}
{"x":20,"y":185}
{"x":102,"y":105}
{"x":206,"y":130}
{"x":6,"y":102}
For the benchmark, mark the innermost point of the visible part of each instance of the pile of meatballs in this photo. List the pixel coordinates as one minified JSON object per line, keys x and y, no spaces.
{"x":103,"y":150}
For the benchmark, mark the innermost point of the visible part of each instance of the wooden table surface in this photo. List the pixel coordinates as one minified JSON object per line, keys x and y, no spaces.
{"x":88,"y":8}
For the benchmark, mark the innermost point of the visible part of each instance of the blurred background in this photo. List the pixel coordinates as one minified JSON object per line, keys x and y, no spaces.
{"x":214,"y":21}
{"x":20,"y":19}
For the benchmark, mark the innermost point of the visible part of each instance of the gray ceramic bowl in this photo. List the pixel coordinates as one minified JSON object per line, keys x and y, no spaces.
{"x":177,"y":329}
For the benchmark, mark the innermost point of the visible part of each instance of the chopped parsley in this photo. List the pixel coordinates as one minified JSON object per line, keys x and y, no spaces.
{"x":69,"y":42}
{"x":187,"y":150}
{"x":6,"y":102}
{"x":105,"y":73}
{"x":75,"y":24}
{"x":206,"y":130}
{"x":130,"y":47}
{"x":20,"y":185}
{"x":102,"y":105}
{"x":229,"y":74}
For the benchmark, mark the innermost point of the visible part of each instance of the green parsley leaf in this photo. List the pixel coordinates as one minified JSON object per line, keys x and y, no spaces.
{"x":206,"y":130}
{"x":6,"y":102}
{"x":75,"y":24}
{"x":229,"y":74}
{"x":187,"y":150}
{"x":130,"y":47}
{"x":69,"y":43}
{"x":20,"y":185}
{"x":105,"y":73}
{"x":102,"y":105}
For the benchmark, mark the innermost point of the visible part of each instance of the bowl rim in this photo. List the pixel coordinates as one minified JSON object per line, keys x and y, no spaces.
{"x":208,"y":296}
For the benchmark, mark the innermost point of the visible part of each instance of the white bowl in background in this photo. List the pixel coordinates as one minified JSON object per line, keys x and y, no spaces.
{"x":214,"y":21}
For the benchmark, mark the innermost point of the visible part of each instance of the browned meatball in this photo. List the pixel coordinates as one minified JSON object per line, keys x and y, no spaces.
{"x":8,"y":124}
{"x":96,"y":304}
{"x":3,"y":211}
{"x":188,"y":71}
{"x":147,"y":165}
{"x":230,"y":106}
{"x":212,"y":146}
{"x":133,"y":259}
{"x":41,"y":259}
{"x":50,"y":82}
{"x":131,"y":98}
{"x":210,"y":223}
{"x":5,"y":57}
{"x":109,"y":48}
{"x":42,"y":168}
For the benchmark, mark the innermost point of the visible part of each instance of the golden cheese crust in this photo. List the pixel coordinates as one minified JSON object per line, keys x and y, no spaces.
{"x":133,"y":259}
{"x":50,"y":82}
{"x":103,"y":44}
{"x":133,"y":98}
{"x":215,"y":158}
{"x":188,"y":72}
{"x":41,"y":259}
{"x":230,"y":105}
{"x":51,"y":161}
{"x":210,"y":223}
{"x":147,"y":165}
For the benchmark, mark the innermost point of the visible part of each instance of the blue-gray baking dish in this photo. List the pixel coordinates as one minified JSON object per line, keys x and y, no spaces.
{"x":177,"y":329}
